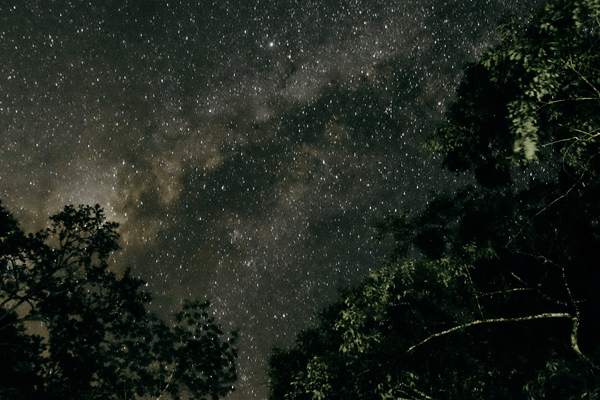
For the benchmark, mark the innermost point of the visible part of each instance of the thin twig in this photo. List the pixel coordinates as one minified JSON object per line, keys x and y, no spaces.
{"x":562,"y":196}
{"x":474,"y":292}
{"x":506,"y":291}
{"x":591,"y":135}
{"x":169,"y":381}
{"x":572,"y":67}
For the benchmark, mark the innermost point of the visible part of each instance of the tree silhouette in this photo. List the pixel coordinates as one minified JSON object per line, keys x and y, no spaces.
{"x":72,"y":329}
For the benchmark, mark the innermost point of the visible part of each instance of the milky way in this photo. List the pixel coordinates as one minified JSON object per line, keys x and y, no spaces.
{"x":245,"y":147}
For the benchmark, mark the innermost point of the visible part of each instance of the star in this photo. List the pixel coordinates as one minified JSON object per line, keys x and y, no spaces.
{"x":245,"y":149}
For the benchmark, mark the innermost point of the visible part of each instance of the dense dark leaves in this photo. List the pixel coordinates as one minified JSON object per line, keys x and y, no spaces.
{"x":502,"y":300}
{"x":476,"y":127}
{"x":72,"y":329}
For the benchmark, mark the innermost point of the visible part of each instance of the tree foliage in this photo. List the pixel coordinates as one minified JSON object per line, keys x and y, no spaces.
{"x":501,"y":298}
{"x":539,"y":88}
{"x":72,"y":329}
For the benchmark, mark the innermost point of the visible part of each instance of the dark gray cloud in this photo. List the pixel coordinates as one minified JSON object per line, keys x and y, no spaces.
{"x":246,"y":147}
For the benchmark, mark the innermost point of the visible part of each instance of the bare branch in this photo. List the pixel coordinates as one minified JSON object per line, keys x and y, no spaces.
{"x":571,"y":66}
{"x":32,"y":317}
{"x":518,"y":278}
{"x":423,"y":395}
{"x":590,"y":135}
{"x":562,"y":196}
{"x":506,"y":291}
{"x":575,"y":330}
{"x":19,"y":301}
{"x":474,"y":292}
{"x":169,"y":380}
{"x":490,"y":321}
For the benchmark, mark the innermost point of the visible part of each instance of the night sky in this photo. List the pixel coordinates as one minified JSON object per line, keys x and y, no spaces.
{"x":246,"y":147}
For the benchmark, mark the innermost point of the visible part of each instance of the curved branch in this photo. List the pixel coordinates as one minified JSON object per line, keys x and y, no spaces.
{"x":495,"y":320}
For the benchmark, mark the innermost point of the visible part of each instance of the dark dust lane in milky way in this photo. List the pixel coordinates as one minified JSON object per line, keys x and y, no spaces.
{"x":245,"y":147}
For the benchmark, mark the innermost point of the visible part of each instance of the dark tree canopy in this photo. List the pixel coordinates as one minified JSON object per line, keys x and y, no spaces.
{"x":72,"y":329}
{"x":502,"y":297}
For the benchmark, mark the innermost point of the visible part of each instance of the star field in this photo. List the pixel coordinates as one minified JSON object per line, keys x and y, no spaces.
{"x":245,"y":147}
